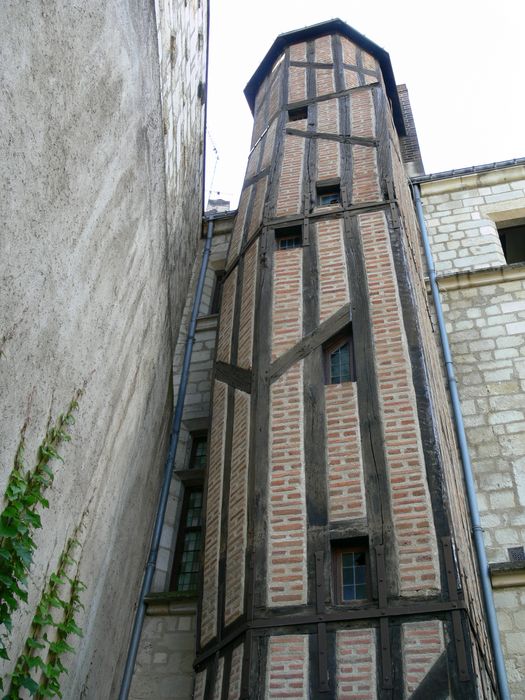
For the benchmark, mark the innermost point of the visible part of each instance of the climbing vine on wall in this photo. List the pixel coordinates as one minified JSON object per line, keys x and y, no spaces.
{"x":39,"y":666}
{"x":20,"y":518}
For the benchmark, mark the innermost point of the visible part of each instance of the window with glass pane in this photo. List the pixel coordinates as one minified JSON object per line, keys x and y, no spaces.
{"x":187,"y":555}
{"x":198,"y":452}
{"x":350,"y":568}
{"x":353,"y":575}
{"x":339,"y":359}
{"x":289,"y":237}
{"x":340,"y":365}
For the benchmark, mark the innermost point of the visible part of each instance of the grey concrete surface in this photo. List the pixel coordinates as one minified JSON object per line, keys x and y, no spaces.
{"x":85,"y":294}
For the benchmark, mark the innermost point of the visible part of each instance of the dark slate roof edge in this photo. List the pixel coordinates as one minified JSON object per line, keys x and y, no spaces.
{"x":333,"y":26}
{"x":471,"y":170}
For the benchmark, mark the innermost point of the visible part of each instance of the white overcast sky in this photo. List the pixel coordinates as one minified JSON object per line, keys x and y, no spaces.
{"x":462,"y":60}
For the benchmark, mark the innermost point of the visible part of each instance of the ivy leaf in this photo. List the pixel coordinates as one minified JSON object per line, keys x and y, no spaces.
{"x":60,"y":647}
{"x":7,"y":529}
{"x":30,"y":684}
{"x":5,"y":554}
{"x":56,"y":602}
{"x":3,"y":653}
{"x":34,"y":644}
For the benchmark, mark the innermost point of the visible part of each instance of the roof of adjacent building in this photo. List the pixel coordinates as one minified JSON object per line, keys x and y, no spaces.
{"x":333,"y":26}
{"x":470,"y":170}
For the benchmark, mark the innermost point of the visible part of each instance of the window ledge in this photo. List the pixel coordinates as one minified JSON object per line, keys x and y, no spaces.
{"x":507,"y":574}
{"x":190,"y":477}
{"x":206,"y":323}
{"x":463,"y":279}
{"x":171,"y":603}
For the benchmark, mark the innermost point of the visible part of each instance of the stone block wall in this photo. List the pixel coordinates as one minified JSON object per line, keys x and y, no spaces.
{"x":463,"y":214}
{"x":484,"y":307}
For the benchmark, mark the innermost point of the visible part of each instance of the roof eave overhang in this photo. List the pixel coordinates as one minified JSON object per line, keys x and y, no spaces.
{"x":333,"y":26}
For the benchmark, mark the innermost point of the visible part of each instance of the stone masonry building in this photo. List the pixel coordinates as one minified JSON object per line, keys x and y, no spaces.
{"x":318,"y":447}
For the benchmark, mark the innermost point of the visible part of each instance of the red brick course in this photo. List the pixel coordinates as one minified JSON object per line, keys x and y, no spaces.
{"x":298,"y":52}
{"x":323,"y":49}
{"x":287,"y":668}
{"x":217,"y":686}
{"x":349,"y":51}
{"x":324,"y":81}
{"x":356,"y":664}
{"x":275,"y":91}
{"x":245,"y":348}
{"x":369,"y":62}
{"x":258,"y":206}
{"x":422,"y":644}
{"x":328,"y":159}
{"x":200,"y":685}
{"x":238,"y":229}
{"x":269,"y":142}
{"x":287,"y":302}
{"x":234,"y":691}
{"x":296,"y":84}
{"x":213,"y":515}
{"x":412,"y":512}
{"x":351,"y":78}
{"x":287,"y":511}
{"x":237,"y":514}
{"x":333,"y":278}
{"x":346,"y":493}
{"x":328,"y":116}
{"x":226,"y":323}
{"x":362,"y":115}
{"x":365,"y":180}
{"x":289,"y":199}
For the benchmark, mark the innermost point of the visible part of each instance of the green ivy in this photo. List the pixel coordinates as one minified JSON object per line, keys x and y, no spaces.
{"x":19,"y":519}
{"x":40,"y":658}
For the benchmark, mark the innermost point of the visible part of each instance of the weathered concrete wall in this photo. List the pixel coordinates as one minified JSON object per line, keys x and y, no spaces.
{"x":89,"y":245}
{"x":484,"y":306}
{"x":181,"y":32}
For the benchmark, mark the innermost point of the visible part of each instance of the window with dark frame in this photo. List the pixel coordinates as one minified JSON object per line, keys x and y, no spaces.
{"x":351,"y":572}
{"x":198,"y":454}
{"x":338,"y":355}
{"x":513,"y":242}
{"x":298,"y":113}
{"x":215,"y":304}
{"x":289,"y":237}
{"x":328,"y":194}
{"x":186,"y":566}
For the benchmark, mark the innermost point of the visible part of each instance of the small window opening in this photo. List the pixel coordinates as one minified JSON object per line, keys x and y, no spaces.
{"x":187,"y":555}
{"x":339,"y":359}
{"x":513,"y":243}
{"x":516,"y":553}
{"x":217,"y":288}
{"x":351,"y":571}
{"x":295,"y":115}
{"x":289,"y":237}
{"x":199,"y":450}
{"x":328,"y":194}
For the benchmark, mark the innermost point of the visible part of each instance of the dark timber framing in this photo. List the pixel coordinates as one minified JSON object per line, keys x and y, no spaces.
{"x":321,"y":617}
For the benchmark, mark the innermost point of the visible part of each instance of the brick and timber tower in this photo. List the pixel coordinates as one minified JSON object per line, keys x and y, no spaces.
{"x":337,"y":560}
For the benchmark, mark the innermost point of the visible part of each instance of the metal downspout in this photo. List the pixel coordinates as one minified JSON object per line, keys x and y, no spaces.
{"x":477,"y":530}
{"x":168,"y":471}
